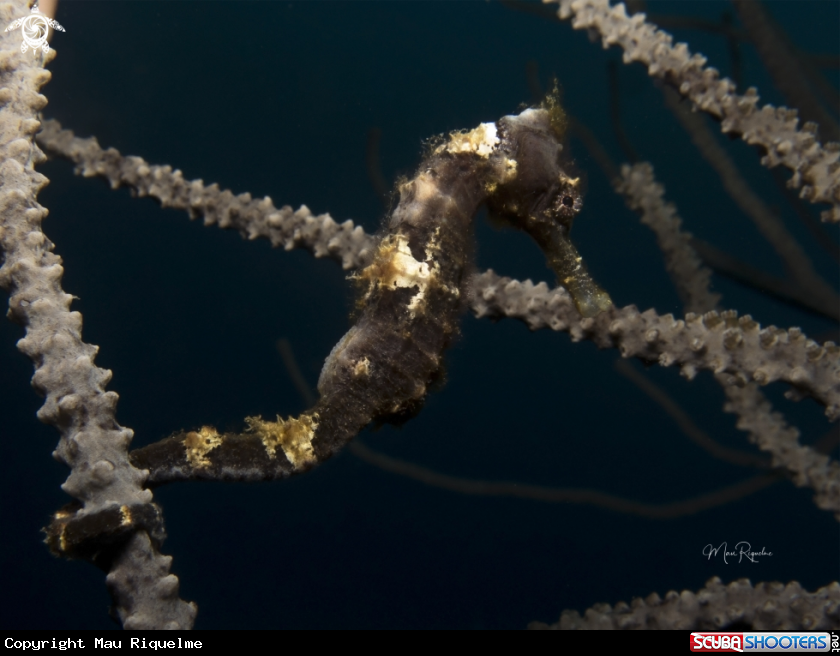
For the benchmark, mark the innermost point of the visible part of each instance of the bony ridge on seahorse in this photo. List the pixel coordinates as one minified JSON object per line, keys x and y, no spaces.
{"x":413,"y":295}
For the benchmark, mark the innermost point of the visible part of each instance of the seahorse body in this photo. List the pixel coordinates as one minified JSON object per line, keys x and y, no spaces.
{"x":414,"y":292}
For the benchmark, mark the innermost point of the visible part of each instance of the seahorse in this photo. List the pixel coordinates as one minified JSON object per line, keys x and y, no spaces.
{"x":413,"y":294}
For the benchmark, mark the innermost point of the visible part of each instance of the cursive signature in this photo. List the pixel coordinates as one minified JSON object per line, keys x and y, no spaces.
{"x":742,"y":550}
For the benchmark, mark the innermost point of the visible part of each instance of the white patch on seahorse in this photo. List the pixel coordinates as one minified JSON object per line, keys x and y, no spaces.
{"x":407,"y":272}
{"x":404,"y":270}
{"x":481,"y":141}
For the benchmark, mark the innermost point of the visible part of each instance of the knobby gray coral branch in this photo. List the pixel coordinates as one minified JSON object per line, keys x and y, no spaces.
{"x":644,"y":194}
{"x":769,"y":430}
{"x":765,"y":607}
{"x":108,"y":489}
{"x":253,"y":218}
{"x":816,"y":169}
{"x":766,"y":428}
{"x":718,"y":342}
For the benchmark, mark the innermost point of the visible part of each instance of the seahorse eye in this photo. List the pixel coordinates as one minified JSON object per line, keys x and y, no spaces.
{"x":568,"y":201}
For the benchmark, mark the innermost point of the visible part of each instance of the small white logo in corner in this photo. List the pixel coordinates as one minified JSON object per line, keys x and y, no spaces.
{"x":35,"y":28}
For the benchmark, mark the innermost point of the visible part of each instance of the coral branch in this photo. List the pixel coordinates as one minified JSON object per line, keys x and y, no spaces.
{"x":769,"y":430}
{"x":92,"y":443}
{"x":816,"y":167}
{"x":765,"y":607}
{"x":691,"y":278}
{"x":719,"y":342}
{"x":252,"y":218}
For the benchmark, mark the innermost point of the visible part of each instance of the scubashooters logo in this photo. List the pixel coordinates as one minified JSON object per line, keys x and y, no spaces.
{"x":787,"y":642}
{"x":35,"y":28}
